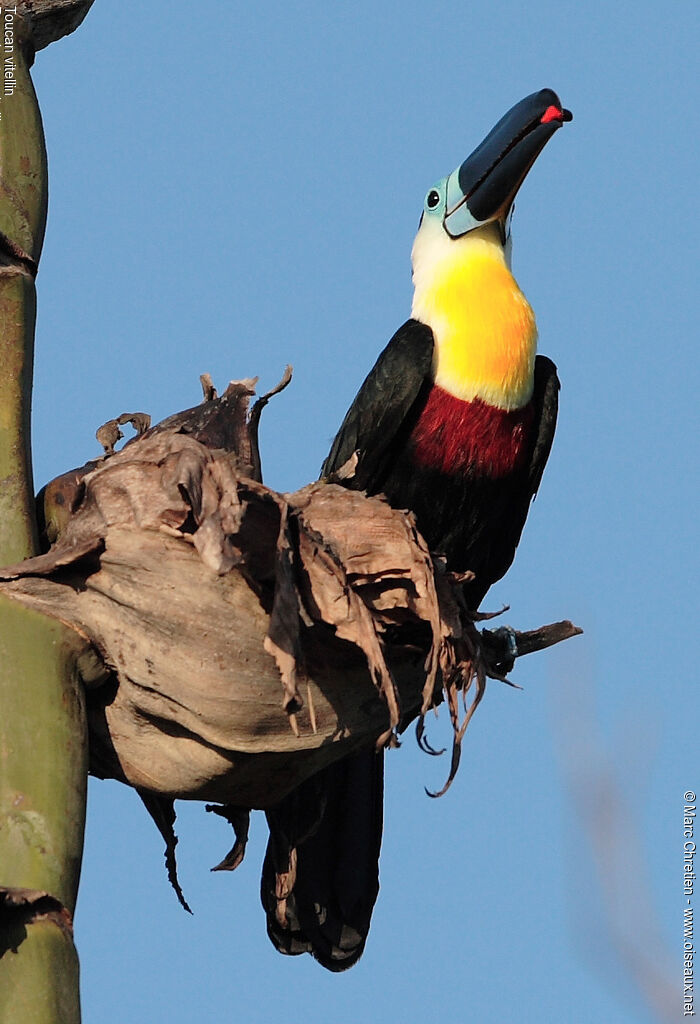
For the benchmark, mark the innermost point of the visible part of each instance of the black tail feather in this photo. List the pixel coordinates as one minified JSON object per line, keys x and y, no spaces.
{"x":320,"y":876}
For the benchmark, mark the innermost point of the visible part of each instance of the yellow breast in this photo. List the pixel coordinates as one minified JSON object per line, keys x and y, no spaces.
{"x":484,"y":328}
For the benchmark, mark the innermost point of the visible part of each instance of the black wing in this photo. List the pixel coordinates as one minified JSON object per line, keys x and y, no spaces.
{"x":546,"y":399}
{"x":385,"y":408}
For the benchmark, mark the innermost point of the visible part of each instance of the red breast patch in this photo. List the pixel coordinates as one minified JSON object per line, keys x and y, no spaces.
{"x":458,"y":437}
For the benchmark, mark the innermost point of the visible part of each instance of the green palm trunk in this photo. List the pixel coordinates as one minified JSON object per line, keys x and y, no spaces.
{"x":43,"y":751}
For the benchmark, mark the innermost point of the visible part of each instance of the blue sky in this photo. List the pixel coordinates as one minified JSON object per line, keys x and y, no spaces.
{"x":237,"y":189}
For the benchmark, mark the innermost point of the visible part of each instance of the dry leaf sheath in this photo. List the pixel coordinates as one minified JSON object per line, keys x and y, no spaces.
{"x":219,"y":610}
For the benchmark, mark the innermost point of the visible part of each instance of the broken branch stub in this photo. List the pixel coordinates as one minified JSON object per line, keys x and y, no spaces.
{"x":237,"y":639}
{"x":49,"y":20}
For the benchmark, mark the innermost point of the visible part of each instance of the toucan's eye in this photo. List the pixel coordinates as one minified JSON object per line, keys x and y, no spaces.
{"x":432,"y":199}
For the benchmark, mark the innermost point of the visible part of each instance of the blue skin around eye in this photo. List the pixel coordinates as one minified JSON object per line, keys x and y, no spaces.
{"x":460,"y":220}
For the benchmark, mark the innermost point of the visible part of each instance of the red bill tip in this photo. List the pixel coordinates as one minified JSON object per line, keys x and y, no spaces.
{"x":552,"y":114}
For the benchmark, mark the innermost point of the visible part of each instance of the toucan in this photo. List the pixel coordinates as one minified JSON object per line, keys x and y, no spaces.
{"x":455,"y":422}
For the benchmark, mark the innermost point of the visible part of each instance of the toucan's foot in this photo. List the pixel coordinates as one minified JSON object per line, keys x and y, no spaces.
{"x":507,"y":640}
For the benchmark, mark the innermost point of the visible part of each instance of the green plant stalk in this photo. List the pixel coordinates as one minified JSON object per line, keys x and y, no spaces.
{"x":40,"y":983}
{"x":42,"y":797}
{"x":17,"y":316}
{"x":23,"y":205}
{"x":43,"y":776}
{"x":43,"y":744}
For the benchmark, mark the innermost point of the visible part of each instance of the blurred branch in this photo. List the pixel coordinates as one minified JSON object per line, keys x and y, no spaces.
{"x":629,"y":925}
